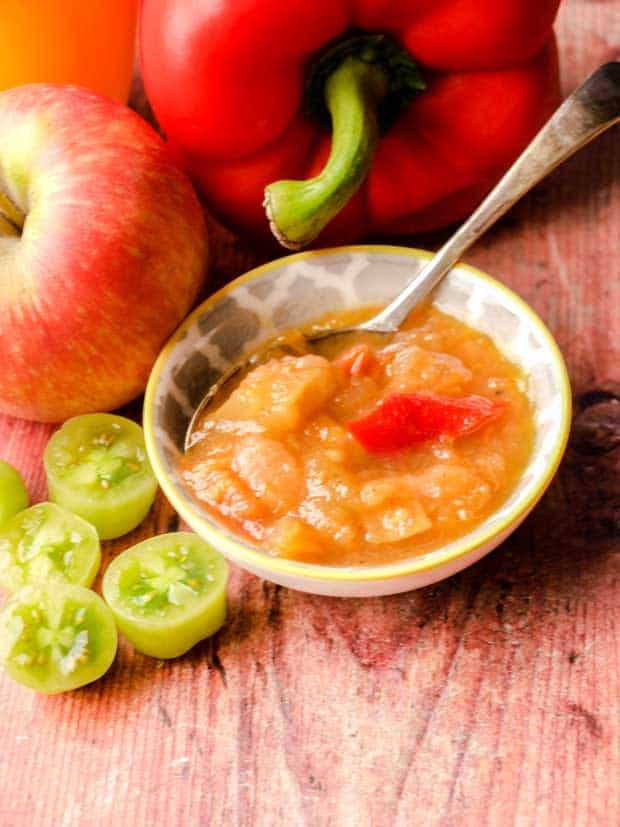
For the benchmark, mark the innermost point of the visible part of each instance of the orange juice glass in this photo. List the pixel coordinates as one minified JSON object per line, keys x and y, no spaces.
{"x":87,"y":42}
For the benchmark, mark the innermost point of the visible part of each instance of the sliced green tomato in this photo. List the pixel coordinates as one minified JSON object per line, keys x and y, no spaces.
{"x":167,"y":593}
{"x":46,"y":544}
{"x":56,"y":637}
{"x":13,"y":493}
{"x":97,"y":467}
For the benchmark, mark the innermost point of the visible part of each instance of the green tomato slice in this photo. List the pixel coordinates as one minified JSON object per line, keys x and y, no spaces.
{"x":56,"y":637}
{"x":97,"y":467}
{"x":46,"y":544}
{"x":167,"y":593}
{"x":13,"y":492}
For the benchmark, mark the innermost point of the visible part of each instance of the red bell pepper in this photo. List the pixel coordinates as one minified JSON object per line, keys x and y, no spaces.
{"x":404,"y":419}
{"x":427,"y":103}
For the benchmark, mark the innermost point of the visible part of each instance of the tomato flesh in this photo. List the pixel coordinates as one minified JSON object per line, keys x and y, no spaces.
{"x":404,"y":419}
{"x":97,"y":467}
{"x":13,"y":493}
{"x":167,"y":593}
{"x":56,"y":637}
{"x":46,"y":544}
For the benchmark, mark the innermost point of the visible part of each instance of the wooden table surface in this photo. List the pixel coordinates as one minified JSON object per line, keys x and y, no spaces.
{"x":492,"y":698}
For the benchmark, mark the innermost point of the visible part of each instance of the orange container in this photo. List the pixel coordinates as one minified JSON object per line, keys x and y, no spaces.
{"x":87,"y":42}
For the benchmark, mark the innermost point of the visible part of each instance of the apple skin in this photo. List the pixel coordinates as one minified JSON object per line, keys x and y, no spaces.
{"x":111,"y":256}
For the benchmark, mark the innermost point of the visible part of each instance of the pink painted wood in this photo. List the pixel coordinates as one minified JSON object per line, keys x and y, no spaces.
{"x":490,"y":699}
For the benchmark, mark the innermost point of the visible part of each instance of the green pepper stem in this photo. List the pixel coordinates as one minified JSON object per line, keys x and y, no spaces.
{"x":299,"y":210}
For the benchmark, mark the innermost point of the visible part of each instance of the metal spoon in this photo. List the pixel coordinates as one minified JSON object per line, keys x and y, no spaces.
{"x":589,"y":111}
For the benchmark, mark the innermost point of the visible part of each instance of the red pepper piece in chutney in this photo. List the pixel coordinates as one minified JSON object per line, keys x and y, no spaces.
{"x":428,"y":103}
{"x":404,"y":419}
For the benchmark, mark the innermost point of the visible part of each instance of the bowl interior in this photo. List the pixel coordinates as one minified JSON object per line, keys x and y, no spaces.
{"x":295,"y":291}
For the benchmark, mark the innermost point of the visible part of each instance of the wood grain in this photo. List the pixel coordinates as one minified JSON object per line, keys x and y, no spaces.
{"x":492,"y":698}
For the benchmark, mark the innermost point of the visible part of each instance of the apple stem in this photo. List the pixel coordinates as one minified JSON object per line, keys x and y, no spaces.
{"x":11,"y":219}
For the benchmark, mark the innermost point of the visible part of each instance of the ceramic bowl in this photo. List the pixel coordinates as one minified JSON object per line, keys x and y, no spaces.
{"x":298,"y":289}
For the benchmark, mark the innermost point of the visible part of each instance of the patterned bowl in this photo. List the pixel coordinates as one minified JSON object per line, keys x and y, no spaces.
{"x":298,"y":289}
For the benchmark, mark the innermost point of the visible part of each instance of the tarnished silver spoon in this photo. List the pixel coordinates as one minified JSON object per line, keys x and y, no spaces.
{"x":589,"y":111}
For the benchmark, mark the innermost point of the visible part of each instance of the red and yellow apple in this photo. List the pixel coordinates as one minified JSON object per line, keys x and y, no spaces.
{"x":102,"y":251}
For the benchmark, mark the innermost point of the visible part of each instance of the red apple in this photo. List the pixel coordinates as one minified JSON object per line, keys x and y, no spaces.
{"x":102,"y":251}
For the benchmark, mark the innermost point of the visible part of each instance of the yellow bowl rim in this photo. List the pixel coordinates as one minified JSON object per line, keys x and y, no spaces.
{"x":388,"y":571}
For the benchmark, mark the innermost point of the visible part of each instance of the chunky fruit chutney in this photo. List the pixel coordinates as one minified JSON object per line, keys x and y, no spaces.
{"x":378,"y":449}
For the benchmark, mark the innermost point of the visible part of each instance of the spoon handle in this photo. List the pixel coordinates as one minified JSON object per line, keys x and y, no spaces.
{"x":590,"y":110}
